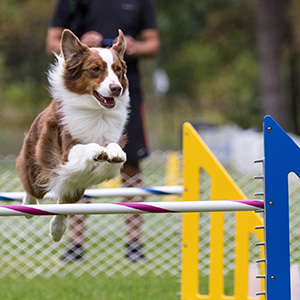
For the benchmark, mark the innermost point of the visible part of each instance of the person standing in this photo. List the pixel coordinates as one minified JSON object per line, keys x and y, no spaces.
{"x":96,"y":23}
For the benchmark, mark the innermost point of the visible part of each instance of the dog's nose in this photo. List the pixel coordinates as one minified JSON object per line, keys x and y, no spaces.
{"x":115,"y":89}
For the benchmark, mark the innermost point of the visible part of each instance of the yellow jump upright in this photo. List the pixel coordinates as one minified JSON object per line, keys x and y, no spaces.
{"x":196,"y":156}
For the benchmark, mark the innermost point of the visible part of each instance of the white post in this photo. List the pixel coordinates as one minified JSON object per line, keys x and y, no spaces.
{"x":295,"y":282}
{"x":254,"y":284}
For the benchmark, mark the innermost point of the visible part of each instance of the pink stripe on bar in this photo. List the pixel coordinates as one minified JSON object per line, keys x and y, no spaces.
{"x":147,"y":208}
{"x":258,"y":204}
{"x":28,"y":210}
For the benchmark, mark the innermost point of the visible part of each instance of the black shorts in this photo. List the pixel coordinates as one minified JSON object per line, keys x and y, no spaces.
{"x":136,"y":147}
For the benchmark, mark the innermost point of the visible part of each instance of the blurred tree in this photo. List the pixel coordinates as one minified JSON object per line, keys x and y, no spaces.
{"x":272,"y":33}
{"x":23,"y":26}
{"x":293,"y":16}
{"x":213,"y":52}
{"x":208,"y":51}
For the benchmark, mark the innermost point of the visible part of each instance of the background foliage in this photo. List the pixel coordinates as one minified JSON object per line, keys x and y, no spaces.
{"x":209,"y":52}
{"x":211,"y":57}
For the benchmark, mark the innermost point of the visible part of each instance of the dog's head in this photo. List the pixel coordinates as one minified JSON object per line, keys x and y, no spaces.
{"x":98,"y":72}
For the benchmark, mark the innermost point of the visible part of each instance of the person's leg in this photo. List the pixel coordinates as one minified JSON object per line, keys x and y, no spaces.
{"x":77,"y":226}
{"x":131,"y":176}
{"x":75,"y":249}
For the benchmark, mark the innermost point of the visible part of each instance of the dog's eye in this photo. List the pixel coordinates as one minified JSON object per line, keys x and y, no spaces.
{"x":96,"y":69}
{"x":118,"y":69}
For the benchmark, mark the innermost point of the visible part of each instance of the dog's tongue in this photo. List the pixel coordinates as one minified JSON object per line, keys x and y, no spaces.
{"x":107,"y":102}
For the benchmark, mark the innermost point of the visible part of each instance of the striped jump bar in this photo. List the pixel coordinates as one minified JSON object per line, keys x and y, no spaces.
{"x":131,"y":208}
{"x":111,"y":192}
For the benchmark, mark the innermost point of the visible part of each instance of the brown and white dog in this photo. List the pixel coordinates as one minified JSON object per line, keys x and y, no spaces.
{"x":76,"y":141}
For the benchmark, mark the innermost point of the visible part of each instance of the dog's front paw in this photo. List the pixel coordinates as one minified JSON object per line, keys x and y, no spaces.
{"x":112,"y":153}
{"x":115,"y":154}
{"x":101,"y":156}
{"x":95,"y":152}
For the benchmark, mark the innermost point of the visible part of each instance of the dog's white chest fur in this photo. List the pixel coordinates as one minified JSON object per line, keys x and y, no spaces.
{"x":92,"y":125}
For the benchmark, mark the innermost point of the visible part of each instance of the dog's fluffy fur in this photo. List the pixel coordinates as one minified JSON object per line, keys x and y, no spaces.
{"x":77,"y":140}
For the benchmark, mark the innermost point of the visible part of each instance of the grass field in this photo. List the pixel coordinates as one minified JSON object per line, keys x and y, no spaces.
{"x":91,"y":288}
{"x":133,"y":287}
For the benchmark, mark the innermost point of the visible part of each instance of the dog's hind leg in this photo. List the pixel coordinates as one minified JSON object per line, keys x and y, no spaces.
{"x":58,"y":223}
{"x":58,"y":226}
{"x":29,"y":200}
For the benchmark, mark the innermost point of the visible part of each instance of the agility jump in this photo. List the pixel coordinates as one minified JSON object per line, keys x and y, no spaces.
{"x":281,"y":158}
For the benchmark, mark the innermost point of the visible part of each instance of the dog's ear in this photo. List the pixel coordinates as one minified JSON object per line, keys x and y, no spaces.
{"x":120,"y":45}
{"x":71,"y":48}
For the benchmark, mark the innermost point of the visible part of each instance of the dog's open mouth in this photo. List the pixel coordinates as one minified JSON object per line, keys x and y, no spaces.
{"x":107,"y":102}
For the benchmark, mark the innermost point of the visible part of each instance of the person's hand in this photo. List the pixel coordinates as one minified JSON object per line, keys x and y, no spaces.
{"x":92,"y":39}
{"x":132,"y":47}
{"x":147,"y":46}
